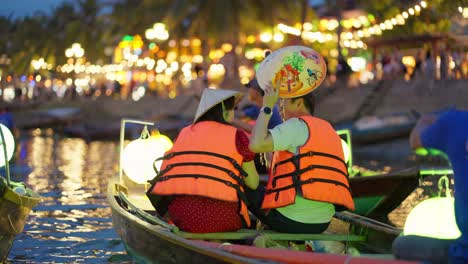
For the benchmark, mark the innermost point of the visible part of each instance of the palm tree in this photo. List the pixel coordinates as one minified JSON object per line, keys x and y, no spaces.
{"x":216,"y":22}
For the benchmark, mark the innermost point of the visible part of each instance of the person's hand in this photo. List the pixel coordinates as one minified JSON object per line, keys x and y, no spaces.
{"x":271,"y":94}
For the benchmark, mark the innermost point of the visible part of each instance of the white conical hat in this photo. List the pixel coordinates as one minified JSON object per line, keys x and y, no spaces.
{"x":212,"y":97}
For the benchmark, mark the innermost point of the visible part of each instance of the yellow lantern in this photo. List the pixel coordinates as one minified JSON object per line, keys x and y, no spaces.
{"x":434,"y":217}
{"x":9,"y":144}
{"x":138,"y":156}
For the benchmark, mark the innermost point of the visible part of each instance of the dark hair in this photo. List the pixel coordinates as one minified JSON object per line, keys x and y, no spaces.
{"x":254,"y":85}
{"x":309,"y":102}
{"x":216,"y":113}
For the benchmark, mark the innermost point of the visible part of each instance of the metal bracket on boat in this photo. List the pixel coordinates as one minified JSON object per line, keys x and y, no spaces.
{"x":123,"y":122}
{"x":5,"y":156}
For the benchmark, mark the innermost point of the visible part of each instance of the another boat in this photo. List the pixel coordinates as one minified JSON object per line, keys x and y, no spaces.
{"x":169,"y":126}
{"x":16,"y":200}
{"x":371,"y":129}
{"x":150,"y":239}
{"x":54,"y":117}
{"x":378,"y":194}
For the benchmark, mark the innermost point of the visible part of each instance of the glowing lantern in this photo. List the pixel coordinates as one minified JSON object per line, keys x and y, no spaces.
{"x":139,"y":155}
{"x":298,"y":69}
{"x":434,"y":217}
{"x":9,"y":143}
{"x":346,"y":150}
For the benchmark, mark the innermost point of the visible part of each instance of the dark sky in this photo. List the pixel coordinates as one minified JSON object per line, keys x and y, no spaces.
{"x":20,"y":8}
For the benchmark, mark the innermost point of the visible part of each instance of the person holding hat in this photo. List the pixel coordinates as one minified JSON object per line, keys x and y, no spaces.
{"x":255,"y":95}
{"x":308,"y":178}
{"x":204,"y":176}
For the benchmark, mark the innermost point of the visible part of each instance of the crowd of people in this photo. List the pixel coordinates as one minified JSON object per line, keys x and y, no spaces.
{"x":444,"y":64}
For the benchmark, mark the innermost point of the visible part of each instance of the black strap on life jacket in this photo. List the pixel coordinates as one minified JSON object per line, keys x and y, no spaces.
{"x":296,"y":173}
{"x":309,"y":181}
{"x":311,"y":153}
{"x":240,"y":192}
{"x":231,"y":160}
{"x":237,"y":178}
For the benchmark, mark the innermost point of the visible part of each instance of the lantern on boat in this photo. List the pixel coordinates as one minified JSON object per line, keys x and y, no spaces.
{"x":299,"y":70}
{"x":8,"y":141}
{"x":434,"y":217}
{"x":346,"y":150}
{"x":138,"y":156}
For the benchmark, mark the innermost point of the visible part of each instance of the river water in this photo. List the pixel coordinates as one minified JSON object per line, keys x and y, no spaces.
{"x":73,"y":221}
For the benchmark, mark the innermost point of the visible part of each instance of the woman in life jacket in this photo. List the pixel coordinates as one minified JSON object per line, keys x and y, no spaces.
{"x":203,"y":178}
{"x":308,"y":181}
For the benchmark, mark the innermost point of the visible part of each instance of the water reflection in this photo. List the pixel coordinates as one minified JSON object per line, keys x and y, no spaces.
{"x":72,"y":223}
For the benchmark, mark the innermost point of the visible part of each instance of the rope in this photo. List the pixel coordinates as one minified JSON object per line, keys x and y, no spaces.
{"x":12,"y":225}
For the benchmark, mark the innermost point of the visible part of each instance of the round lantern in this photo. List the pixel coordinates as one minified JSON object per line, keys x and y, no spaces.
{"x":9,"y":144}
{"x":434,"y":217}
{"x":299,"y":70}
{"x":138,"y":157}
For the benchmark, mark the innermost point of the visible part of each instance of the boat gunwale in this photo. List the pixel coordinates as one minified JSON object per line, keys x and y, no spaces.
{"x":167,"y":235}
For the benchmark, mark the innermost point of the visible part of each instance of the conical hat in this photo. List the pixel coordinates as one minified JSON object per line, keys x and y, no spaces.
{"x":212,"y":97}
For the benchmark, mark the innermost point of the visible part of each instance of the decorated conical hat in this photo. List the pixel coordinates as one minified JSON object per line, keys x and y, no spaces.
{"x":212,"y":97}
{"x":299,"y":70}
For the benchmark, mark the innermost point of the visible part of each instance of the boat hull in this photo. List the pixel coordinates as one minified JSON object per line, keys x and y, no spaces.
{"x":147,"y":243}
{"x":377,"y":196}
{"x":14,"y":211}
{"x":152,"y":243}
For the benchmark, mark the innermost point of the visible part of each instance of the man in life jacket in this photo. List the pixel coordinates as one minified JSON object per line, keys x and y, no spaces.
{"x":309,"y":179}
{"x":203,"y":177}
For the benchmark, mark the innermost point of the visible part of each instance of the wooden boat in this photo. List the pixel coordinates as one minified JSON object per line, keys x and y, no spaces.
{"x":377,"y":195}
{"x":371,"y":129}
{"x":16,"y":201}
{"x":54,"y":117}
{"x":148,"y":239}
{"x":169,"y":127}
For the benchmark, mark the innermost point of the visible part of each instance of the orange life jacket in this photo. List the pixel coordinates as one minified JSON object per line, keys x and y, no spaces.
{"x":204,"y":161}
{"x":318,"y":171}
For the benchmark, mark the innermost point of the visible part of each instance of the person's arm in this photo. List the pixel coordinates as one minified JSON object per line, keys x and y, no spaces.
{"x":242,"y":125}
{"x":261,"y":140}
{"x":423,"y":123}
{"x":252,"y":180}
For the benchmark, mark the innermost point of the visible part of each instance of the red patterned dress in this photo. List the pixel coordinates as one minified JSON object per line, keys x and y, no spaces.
{"x":198,"y":214}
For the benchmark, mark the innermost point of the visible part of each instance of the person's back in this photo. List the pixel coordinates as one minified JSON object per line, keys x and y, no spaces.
{"x":303,"y":189}
{"x":429,"y":67}
{"x":203,"y":177}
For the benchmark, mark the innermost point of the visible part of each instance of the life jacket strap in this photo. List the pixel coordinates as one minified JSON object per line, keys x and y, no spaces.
{"x":310,"y":154}
{"x":199,"y":152}
{"x":303,"y":170}
{"x":240,"y":193}
{"x":300,"y":183}
{"x":235,"y":177}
